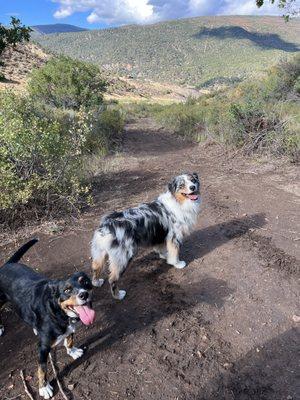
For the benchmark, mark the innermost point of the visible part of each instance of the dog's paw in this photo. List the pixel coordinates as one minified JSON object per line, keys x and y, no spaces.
{"x":46,"y":391}
{"x":97,"y":282}
{"x":75,"y":352}
{"x":180,"y":264}
{"x":121,"y":294}
{"x":1,"y":330}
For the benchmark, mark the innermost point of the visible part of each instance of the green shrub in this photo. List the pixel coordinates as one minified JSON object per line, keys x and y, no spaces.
{"x":42,"y":152}
{"x":105,"y":131}
{"x":258,"y":115}
{"x":184,"y":119}
{"x":67,"y":83}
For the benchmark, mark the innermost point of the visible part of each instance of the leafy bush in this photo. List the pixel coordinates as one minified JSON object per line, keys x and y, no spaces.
{"x":258,"y":116}
{"x":41,"y":156}
{"x":67,"y":83}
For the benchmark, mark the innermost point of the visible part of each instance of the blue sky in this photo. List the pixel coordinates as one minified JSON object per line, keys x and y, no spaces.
{"x":105,"y":13}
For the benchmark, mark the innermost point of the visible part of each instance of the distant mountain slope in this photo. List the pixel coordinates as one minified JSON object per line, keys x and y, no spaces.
{"x":56,"y":28}
{"x":198,"y":51}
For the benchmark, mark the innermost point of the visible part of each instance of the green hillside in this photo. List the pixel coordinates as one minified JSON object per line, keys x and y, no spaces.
{"x":197,"y":51}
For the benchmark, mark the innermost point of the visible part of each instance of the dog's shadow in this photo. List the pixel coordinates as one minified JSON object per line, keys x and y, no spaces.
{"x":203,"y":241}
{"x":153,"y":296}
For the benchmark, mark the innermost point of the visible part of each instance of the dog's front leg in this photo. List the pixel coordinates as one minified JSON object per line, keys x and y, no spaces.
{"x":173,"y":254}
{"x":73,"y":351}
{"x":45,"y":389}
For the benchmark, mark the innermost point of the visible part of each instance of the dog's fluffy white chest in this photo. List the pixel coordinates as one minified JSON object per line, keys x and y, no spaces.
{"x":185,"y":214}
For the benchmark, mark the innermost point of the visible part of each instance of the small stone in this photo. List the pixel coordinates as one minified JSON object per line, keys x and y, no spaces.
{"x":200,"y":354}
{"x":71,"y":386}
{"x":296,"y":318}
{"x":227,"y":365}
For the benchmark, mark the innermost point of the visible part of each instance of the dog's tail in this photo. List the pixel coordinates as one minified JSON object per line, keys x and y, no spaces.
{"x":22,"y":250}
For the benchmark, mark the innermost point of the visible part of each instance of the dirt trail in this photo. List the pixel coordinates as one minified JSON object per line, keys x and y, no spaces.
{"x":223,"y":327}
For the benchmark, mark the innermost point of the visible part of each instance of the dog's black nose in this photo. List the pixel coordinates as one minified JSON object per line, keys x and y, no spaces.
{"x":83,"y":295}
{"x":192,"y":188}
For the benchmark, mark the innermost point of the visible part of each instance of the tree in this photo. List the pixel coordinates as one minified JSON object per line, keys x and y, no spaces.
{"x":67,"y":83}
{"x":13,"y":34}
{"x":289,"y":7}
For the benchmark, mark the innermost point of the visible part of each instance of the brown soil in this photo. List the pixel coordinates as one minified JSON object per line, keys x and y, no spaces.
{"x":19,"y":63}
{"x":223,"y":327}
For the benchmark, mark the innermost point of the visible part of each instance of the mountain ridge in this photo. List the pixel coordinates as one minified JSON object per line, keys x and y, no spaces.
{"x":196,"y":51}
{"x":47,"y":29}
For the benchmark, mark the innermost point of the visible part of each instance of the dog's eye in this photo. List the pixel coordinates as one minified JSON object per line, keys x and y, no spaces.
{"x":182,"y":186}
{"x":67,"y":290}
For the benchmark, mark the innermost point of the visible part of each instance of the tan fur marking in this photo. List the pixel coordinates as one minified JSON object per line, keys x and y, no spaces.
{"x":72,"y":301}
{"x":70,"y":341}
{"x":98,"y":266}
{"x":41,"y":377}
{"x":181,"y":198}
{"x":113,"y":278}
{"x":173,"y":251}
{"x":114,"y":273}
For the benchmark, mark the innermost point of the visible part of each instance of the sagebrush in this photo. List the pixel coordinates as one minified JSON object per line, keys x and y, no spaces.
{"x":41,"y":155}
{"x":257,"y":115}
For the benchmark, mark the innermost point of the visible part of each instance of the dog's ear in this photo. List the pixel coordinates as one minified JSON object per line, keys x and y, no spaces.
{"x":195,"y":175}
{"x":172,"y":186}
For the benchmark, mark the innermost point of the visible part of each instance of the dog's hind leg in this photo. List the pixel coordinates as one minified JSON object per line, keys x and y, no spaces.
{"x":118,"y":261}
{"x":113,"y":278}
{"x":98,"y":265}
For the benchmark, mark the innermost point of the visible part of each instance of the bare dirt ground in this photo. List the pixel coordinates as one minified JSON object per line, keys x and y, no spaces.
{"x":222,"y":328}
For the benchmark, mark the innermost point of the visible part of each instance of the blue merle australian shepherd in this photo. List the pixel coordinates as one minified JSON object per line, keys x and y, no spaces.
{"x":162,"y":224}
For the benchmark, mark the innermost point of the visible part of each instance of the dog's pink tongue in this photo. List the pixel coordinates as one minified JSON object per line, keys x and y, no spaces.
{"x":86,"y":314}
{"x":193,"y":196}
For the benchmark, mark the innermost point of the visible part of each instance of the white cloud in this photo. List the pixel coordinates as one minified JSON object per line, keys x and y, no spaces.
{"x":122,"y":11}
{"x":118,"y":12}
{"x":248,"y":7}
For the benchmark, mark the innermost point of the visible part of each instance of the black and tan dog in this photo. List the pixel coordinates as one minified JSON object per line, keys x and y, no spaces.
{"x":50,"y":307}
{"x":161,"y":224}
